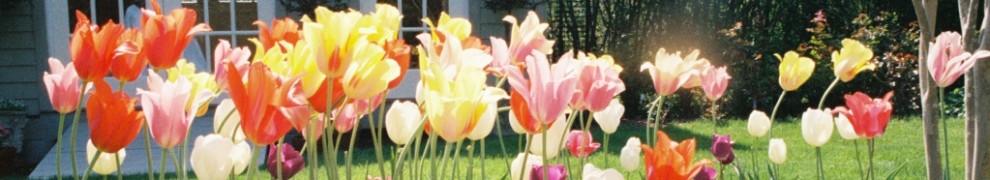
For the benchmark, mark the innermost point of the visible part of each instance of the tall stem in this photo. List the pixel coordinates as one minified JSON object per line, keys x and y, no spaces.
{"x":457,"y":155}
{"x":58,"y":146}
{"x":329,"y":150}
{"x":821,"y":172}
{"x":470,"y":168}
{"x":120,"y":174}
{"x":278,"y":160}
{"x":417,"y":134}
{"x":91,"y":164}
{"x":774,"y":112}
{"x":821,"y":103}
{"x":147,"y":146}
{"x":859,"y":163}
{"x":651,"y":136}
{"x":253,"y":164}
{"x":945,"y":130}
{"x":350,"y":147}
{"x":869,"y":144}
{"x":376,"y":134}
{"x":311,"y":145}
{"x":606,"y":148}
{"x":522,"y":169}
{"x":75,"y":125}
{"x":161,"y":170}
{"x":482,"y":157}
{"x":443,"y":163}
{"x":714,"y":120}
{"x":545,"y":164}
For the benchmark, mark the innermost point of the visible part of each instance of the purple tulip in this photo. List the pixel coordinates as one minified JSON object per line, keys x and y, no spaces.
{"x":706,"y":173}
{"x":555,"y":172}
{"x":722,"y":149}
{"x":292,"y":162}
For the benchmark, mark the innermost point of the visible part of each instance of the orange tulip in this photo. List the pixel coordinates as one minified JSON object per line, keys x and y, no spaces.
{"x":281,"y":30}
{"x":113,"y":121}
{"x":522,"y":113}
{"x":127,"y":66}
{"x":166,"y":37}
{"x":398,"y":51}
{"x":671,"y":160}
{"x":319,"y":99}
{"x":92,"y":47}
{"x":255,"y":101}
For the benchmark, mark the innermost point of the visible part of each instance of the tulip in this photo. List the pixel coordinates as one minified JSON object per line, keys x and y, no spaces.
{"x":166,"y":37}
{"x":593,"y":173}
{"x":581,"y":143}
{"x":164,"y":104}
{"x":597,"y":82}
{"x":292,"y":106}
{"x":668,"y":72}
{"x":553,"y":172}
{"x":93,"y":48}
{"x":214,"y":157}
{"x":332,"y":36}
{"x":485,"y":123}
{"x":548,"y":88}
{"x":714,"y":82}
{"x":107,"y":162}
{"x":223,"y":54}
{"x":698,"y":65}
{"x":459,"y":28}
{"x":130,"y":60}
{"x":845,"y":128}
{"x":608,"y":119}
{"x":527,"y":37}
{"x":947,"y":61}
{"x":387,"y":19}
{"x":62,"y":85}
{"x":794,"y":70}
{"x":777,"y":151}
{"x":369,"y":73}
{"x":401,"y":121}
{"x":260,"y":119}
{"x":816,"y":126}
{"x":379,"y":178}
{"x":868,"y":116}
{"x":629,"y":157}
{"x":226,"y":120}
{"x":853,"y":58}
{"x":554,"y":140}
{"x":286,"y":30}
{"x":500,"y":57}
{"x":113,"y":121}
{"x":671,"y":160}
{"x":722,"y":149}
{"x":514,"y":123}
{"x":292,"y":161}
{"x":525,"y":163}
{"x":758,"y":124}
{"x":398,"y":51}
{"x":351,"y":113}
{"x":706,"y":173}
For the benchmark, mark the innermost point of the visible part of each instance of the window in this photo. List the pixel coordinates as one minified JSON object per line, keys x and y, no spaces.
{"x":413,"y":12}
{"x":103,"y":11}
{"x":229,"y":20}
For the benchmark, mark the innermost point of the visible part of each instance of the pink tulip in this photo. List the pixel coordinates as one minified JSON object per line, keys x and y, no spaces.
{"x":868,"y":116}
{"x":548,"y":88}
{"x":500,"y":57}
{"x":947,"y":61}
{"x":714,"y":82}
{"x":237,"y":56}
{"x":352,"y":112}
{"x":164,"y":106}
{"x":554,"y":172}
{"x":669,"y":71}
{"x":293,"y":105}
{"x":62,"y":84}
{"x":527,"y":37}
{"x":597,"y":84}
{"x":581,"y":143}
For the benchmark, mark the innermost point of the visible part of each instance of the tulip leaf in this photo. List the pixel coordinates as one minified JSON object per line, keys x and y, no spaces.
{"x":894,"y":173}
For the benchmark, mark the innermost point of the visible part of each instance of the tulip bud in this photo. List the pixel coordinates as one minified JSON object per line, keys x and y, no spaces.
{"x":629,"y":157}
{"x":722,"y":149}
{"x":401,"y":120}
{"x":226,"y":120}
{"x":593,"y":173}
{"x":845,"y":128}
{"x":816,"y":126}
{"x":777,"y":151}
{"x":759,"y":124}
{"x":211,"y":157}
{"x":706,"y":173}
{"x":608,"y":119}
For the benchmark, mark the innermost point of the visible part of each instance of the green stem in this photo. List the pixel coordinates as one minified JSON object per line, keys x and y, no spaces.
{"x":945,"y":130}
{"x":456,"y":159}
{"x":870,"y":145}
{"x":164,"y":158}
{"x":120,"y":175}
{"x":329,"y":150}
{"x":470,"y":149}
{"x":821,"y":172}
{"x":147,"y":148}
{"x":311,"y":145}
{"x":58,"y":146}
{"x":821,"y":103}
{"x":522,"y":169}
{"x":253,"y":164}
{"x":350,"y":146}
{"x":545,"y":164}
{"x":859,"y":163}
{"x":91,"y":163}
{"x":376,"y":133}
{"x":184,"y":157}
{"x":773,"y":114}
{"x":175,"y":162}
{"x":656,"y":122}
{"x":446,"y":154}
{"x":482,"y":158}
{"x":501,"y":144}
{"x":605,"y":150}
{"x":75,"y":126}
{"x":714,"y":121}
{"x":417,"y":134}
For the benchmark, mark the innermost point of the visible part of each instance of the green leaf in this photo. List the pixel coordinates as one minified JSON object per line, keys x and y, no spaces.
{"x":892,"y":174}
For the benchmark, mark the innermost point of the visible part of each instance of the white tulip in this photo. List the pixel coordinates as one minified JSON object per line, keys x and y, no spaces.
{"x":759,"y":124}
{"x":777,"y":151}
{"x":485,"y":123}
{"x":629,"y":157}
{"x":845,"y":128}
{"x":225,"y":108}
{"x":107,"y":162}
{"x":555,"y":139}
{"x":526,"y":167}
{"x":211,"y":157}
{"x":516,"y":127}
{"x":401,"y":121}
{"x":593,"y":173}
{"x":609,"y":117}
{"x":241,"y":155}
{"x":816,"y":126}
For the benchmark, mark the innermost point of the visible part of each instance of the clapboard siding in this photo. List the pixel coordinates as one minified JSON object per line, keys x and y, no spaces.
{"x":18,"y":57}
{"x":16,"y":23}
{"x":17,"y":39}
{"x":22,"y":90}
{"x":19,"y":74}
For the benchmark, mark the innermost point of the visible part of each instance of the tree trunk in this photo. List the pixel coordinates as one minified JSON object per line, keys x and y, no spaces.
{"x":967,"y":19}
{"x":980,"y":101}
{"x":925,"y":10}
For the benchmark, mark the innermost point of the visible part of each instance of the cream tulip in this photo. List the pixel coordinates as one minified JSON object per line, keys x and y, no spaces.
{"x":555,"y":139}
{"x":241,"y":156}
{"x":227,"y":118}
{"x":629,"y":157}
{"x":816,"y":126}
{"x":485,"y":123}
{"x":759,"y":124}
{"x":608,"y":119}
{"x":845,"y":128}
{"x":107,"y":162}
{"x":401,"y":121}
{"x":516,"y":127}
{"x":593,"y":173}
{"x":777,"y":151}
{"x":519,"y":165}
{"x":211,"y":157}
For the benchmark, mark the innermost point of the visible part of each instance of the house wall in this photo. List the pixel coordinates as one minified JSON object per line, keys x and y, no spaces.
{"x":21,"y":60}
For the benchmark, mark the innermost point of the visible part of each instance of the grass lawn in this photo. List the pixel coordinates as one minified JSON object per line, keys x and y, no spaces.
{"x":901,"y":145}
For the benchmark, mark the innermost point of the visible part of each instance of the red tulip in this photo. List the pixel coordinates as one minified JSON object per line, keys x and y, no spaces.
{"x":581,"y":143}
{"x":255,"y":101}
{"x":166,"y":37}
{"x":398,"y":51}
{"x":130,"y":60}
{"x":113,"y":121}
{"x":319,"y":98}
{"x":868,"y":116}
{"x":93,"y":48}
{"x":282,"y":30}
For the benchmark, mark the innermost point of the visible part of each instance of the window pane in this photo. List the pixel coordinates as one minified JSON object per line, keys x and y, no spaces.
{"x":247,"y":13}
{"x":106,"y":10}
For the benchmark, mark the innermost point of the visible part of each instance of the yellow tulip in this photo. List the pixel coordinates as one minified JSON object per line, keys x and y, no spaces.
{"x":698,"y":65}
{"x":369,"y":72}
{"x":202,"y":82}
{"x":454,"y":98}
{"x":794,"y":70}
{"x":332,"y":35}
{"x":851,"y":59}
{"x":387,"y":20}
{"x":459,"y":27}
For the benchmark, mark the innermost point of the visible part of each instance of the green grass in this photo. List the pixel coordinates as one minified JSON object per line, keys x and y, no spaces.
{"x":901,"y":145}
